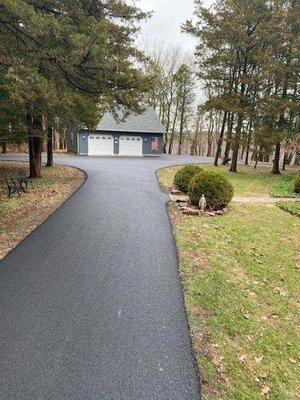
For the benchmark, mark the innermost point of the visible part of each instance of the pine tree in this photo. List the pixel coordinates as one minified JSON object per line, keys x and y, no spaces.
{"x":83,"y":49}
{"x":248,"y":58}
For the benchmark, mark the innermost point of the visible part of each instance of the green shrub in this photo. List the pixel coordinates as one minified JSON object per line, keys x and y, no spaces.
{"x":297,"y":184}
{"x":184,"y":176}
{"x":216,"y":188}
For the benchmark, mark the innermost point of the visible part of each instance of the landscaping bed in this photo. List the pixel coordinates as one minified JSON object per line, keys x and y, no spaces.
{"x":19,"y":216}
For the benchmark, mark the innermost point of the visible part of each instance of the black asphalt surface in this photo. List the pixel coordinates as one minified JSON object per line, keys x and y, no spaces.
{"x":91,"y":302}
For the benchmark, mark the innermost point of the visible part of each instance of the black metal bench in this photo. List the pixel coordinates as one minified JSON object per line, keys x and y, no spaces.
{"x":17,"y":185}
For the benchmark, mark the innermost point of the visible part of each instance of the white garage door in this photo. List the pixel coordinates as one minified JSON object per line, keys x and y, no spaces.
{"x":131,"y":146}
{"x":101,"y":145}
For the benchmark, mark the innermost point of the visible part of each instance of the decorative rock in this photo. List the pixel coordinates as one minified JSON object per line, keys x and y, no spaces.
{"x":183,"y":204}
{"x":217,"y":212}
{"x":191,"y":211}
{"x":180,"y":199}
{"x":176,"y":192}
{"x":210,"y":213}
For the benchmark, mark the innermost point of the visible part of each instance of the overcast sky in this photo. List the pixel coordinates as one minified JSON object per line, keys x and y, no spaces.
{"x":168,"y":15}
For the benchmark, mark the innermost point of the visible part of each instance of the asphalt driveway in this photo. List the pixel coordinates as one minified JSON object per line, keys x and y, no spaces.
{"x":91,"y":302}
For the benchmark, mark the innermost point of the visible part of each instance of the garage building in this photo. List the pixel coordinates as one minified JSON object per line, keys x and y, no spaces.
{"x":138,"y":135}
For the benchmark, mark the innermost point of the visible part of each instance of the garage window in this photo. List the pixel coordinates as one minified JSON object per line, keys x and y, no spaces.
{"x":154,"y":144}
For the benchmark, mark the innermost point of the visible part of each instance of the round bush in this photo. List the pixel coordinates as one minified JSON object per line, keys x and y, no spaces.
{"x":216,"y":188}
{"x":297,"y":184}
{"x":184,"y":176}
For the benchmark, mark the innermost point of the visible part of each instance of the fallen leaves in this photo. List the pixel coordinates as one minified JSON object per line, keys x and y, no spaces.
{"x":259,"y":359}
{"x":265,"y":391}
{"x":242,"y":358}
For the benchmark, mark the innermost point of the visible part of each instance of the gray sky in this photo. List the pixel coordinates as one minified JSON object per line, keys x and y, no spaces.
{"x":167,"y":19}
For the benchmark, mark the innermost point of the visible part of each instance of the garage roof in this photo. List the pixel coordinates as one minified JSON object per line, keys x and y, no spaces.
{"x":147,"y":122}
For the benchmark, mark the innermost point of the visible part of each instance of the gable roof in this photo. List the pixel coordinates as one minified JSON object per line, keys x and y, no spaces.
{"x":147,"y":122}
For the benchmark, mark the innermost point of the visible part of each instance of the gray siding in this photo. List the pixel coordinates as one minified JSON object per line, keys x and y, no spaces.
{"x":72,"y":140}
{"x":83,"y":145}
{"x":83,"y":141}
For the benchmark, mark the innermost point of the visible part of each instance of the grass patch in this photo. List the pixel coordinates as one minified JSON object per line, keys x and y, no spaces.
{"x":242,"y":297}
{"x":248,"y":182}
{"x":291,"y":207}
{"x":284,"y":187}
{"x":21,"y":215}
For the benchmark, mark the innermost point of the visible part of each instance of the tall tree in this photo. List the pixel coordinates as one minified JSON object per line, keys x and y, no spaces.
{"x":248,"y":57}
{"x":84,"y":48}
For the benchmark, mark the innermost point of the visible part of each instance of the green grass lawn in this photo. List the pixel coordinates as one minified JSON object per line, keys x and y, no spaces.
{"x":291,"y":207}
{"x":248,"y":182}
{"x":241,"y":281}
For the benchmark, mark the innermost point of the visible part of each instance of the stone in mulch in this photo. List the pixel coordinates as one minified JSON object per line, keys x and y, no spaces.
{"x":183,"y":203}
{"x":179,"y":198}
{"x":217,"y":212}
{"x":175,"y":191}
{"x":190,"y":210}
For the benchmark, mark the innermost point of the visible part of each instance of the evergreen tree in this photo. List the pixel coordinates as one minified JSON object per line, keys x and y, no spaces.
{"x":248,"y":58}
{"x":83,"y":50}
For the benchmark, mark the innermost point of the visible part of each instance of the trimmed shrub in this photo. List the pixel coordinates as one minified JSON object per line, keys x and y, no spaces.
{"x":297,"y":184}
{"x":184,"y":176}
{"x":216,"y":188}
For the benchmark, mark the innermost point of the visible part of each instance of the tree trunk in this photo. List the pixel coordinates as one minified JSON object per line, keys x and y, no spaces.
{"x":236,"y":144}
{"x":276,"y":169}
{"x":182,"y":114}
{"x":165,"y":143}
{"x":220,"y":141}
{"x":284,"y":161}
{"x":173,"y":127}
{"x":248,"y":144}
{"x":34,"y":132}
{"x":180,"y":143}
{"x":228,"y":140}
{"x":4,"y":148}
{"x":209,"y":144}
{"x":49,"y":146}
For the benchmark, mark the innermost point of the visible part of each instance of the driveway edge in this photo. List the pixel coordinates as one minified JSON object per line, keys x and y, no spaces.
{"x":165,"y":190}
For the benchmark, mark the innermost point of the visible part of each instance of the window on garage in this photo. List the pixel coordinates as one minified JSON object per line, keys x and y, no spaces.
{"x":154,"y":144}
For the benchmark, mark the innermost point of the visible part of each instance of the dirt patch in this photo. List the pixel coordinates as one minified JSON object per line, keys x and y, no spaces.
{"x":19,"y":216}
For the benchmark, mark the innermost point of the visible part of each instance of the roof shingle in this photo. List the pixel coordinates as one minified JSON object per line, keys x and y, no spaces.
{"x":147,"y":122}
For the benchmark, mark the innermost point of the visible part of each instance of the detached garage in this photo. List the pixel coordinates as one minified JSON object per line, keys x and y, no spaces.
{"x":137,"y":136}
